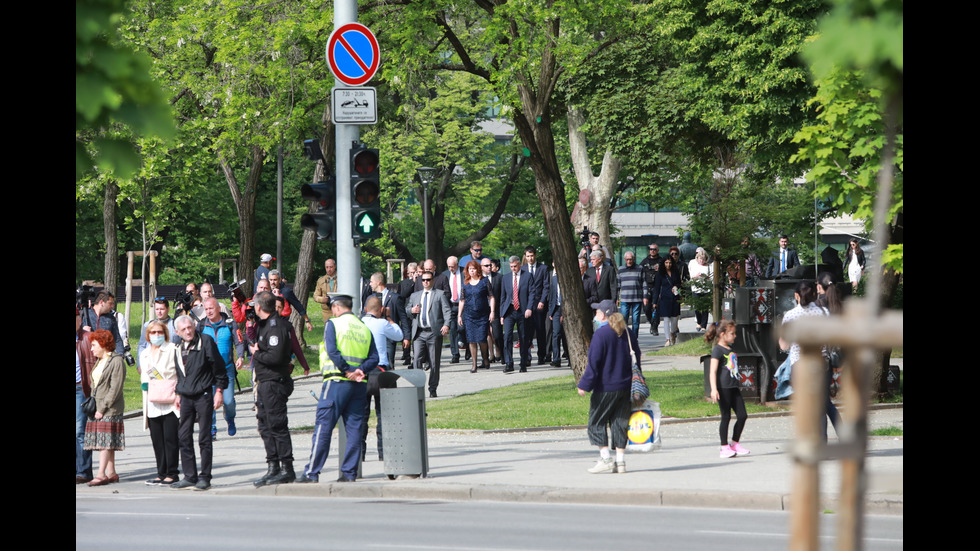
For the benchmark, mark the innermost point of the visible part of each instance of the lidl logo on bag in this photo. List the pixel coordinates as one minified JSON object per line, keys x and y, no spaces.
{"x":641,"y":427}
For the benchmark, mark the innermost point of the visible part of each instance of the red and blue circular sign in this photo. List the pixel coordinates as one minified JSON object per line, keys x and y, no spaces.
{"x":353,"y":54}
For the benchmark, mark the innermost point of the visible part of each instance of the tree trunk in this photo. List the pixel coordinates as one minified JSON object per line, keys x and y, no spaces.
{"x":305,"y":267}
{"x":245,"y":204}
{"x":110,"y":275}
{"x":889,"y":285}
{"x":595,"y":192}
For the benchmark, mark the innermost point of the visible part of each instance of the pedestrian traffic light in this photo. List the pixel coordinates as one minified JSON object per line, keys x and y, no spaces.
{"x":324,"y":220}
{"x":365,"y":192}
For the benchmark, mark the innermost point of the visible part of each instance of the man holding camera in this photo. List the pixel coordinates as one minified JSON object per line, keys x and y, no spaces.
{"x":102,"y":316}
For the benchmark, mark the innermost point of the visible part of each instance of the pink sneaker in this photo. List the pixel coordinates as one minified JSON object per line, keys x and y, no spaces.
{"x":726,"y":452}
{"x":739,"y":450}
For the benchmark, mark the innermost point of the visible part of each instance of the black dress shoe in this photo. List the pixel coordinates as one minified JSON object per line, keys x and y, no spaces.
{"x":523,"y":370}
{"x":454,"y":360}
{"x":432,"y":394}
{"x":509,"y":368}
{"x":555,"y":364}
{"x":425,"y":367}
{"x":541,"y":361}
{"x":345,"y":479}
{"x":484,"y":366}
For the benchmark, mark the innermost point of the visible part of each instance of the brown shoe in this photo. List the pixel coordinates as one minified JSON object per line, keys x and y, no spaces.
{"x":82,"y":480}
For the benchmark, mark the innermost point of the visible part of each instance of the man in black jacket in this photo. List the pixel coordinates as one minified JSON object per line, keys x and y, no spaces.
{"x":201,"y":382}
{"x":274,"y":384}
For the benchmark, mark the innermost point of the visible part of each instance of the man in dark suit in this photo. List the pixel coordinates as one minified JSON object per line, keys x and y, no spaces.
{"x":454,"y":277}
{"x":496,"y":330}
{"x":554,"y":316}
{"x":405,"y":289}
{"x":538,"y":325}
{"x":430,"y":313}
{"x":604,"y":277}
{"x":588,"y":283}
{"x":440,"y":282}
{"x":516,"y":309}
{"x":782,"y":260}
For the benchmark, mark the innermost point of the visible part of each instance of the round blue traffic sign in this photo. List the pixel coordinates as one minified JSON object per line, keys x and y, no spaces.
{"x":353,"y":54}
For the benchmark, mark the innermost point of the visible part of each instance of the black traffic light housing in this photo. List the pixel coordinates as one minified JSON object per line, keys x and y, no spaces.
{"x":324,"y":220}
{"x":365,"y":193}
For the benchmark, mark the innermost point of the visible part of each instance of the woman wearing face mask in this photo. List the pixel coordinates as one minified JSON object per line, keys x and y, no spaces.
{"x":158,"y":376}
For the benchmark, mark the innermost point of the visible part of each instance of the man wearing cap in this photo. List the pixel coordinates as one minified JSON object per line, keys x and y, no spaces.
{"x":348,"y":357}
{"x":262,"y":272}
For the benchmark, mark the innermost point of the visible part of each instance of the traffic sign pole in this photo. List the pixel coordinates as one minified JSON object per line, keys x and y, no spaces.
{"x":348,"y":255}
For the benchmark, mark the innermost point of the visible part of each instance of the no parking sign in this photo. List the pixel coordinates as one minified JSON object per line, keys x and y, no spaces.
{"x":353,"y":54}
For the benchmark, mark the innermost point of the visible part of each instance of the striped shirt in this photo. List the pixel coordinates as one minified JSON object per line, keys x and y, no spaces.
{"x":631,"y":284}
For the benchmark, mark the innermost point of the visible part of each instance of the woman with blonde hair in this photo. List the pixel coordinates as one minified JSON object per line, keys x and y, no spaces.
{"x":158,"y":379}
{"x":609,"y":375}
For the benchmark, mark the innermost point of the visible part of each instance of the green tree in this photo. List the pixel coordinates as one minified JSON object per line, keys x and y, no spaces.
{"x":112,"y":86}
{"x":521,"y":48}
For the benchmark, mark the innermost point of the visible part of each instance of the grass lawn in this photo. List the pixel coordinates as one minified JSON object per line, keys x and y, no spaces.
{"x":555,"y":402}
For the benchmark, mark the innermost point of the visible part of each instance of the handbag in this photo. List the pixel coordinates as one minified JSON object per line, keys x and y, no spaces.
{"x":639,"y":391}
{"x":88,"y":406}
{"x":162,"y":391}
{"x":644,"y":428}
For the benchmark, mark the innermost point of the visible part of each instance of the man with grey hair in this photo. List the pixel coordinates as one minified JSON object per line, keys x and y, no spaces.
{"x":603,"y":275}
{"x":200,"y":368}
{"x":517,"y":301}
{"x":455,"y":278}
{"x":631,"y":289}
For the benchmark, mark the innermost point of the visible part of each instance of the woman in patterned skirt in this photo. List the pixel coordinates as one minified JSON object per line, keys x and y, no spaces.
{"x":105,"y":433}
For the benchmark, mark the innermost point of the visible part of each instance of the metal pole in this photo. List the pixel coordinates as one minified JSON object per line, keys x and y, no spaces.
{"x":279,"y":208}
{"x":348,"y":255}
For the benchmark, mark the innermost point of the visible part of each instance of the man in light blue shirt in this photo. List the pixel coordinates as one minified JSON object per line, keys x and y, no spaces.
{"x":384,"y":330}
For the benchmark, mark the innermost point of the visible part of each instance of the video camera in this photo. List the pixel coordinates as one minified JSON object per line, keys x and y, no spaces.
{"x":237,"y":292}
{"x":583,"y":236}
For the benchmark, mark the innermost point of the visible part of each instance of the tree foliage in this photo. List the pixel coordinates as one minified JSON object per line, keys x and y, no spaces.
{"x":113,"y":86}
{"x":842,"y":151}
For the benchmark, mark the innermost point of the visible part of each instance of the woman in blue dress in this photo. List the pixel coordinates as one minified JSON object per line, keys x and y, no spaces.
{"x":476,"y":308}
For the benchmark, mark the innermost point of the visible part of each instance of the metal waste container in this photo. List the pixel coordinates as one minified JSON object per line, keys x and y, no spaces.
{"x":403,"y":428}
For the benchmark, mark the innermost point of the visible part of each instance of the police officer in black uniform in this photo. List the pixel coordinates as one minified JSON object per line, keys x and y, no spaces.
{"x":274,"y":384}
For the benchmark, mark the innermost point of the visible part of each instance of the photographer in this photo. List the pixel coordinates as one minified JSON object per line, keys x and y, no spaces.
{"x":102,"y":316}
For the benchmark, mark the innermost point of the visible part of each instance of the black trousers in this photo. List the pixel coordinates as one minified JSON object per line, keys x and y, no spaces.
{"x":729,"y":399}
{"x":273,"y":425}
{"x":163,"y":436}
{"x":193,"y":409}
{"x":610,"y":409}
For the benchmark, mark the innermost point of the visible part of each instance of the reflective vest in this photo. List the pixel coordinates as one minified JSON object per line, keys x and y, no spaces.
{"x":353,"y":343}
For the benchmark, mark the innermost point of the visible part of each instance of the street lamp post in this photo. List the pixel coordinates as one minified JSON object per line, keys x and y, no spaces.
{"x":426,"y":174}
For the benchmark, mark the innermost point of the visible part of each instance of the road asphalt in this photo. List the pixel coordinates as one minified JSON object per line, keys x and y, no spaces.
{"x":544,"y":465}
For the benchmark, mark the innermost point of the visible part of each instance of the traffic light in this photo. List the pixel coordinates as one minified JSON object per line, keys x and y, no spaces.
{"x":365,"y":194}
{"x":324,"y":220}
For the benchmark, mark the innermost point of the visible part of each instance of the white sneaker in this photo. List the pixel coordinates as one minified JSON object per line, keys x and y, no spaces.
{"x":603,"y":466}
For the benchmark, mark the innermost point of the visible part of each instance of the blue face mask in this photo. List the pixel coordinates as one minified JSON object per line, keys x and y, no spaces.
{"x":157,"y":340}
{"x":597,"y":324}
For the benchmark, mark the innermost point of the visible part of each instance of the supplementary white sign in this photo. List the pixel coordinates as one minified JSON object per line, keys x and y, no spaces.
{"x":354,"y":105}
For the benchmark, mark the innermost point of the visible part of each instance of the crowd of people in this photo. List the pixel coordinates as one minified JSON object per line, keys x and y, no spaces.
{"x":189,"y":366}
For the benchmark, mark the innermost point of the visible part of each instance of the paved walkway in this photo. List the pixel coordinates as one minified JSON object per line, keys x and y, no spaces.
{"x":545,"y":465}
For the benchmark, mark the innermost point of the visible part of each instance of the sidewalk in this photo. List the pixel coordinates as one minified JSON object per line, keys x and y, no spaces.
{"x":544,"y":465}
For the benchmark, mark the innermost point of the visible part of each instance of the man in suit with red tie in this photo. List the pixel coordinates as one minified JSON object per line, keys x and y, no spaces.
{"x":537,"y":327}
{"x":517,"y":301}
{"x":603,"y":275}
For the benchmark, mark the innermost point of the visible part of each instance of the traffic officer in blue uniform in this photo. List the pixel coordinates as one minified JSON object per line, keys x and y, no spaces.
{"x":349,"y":357}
